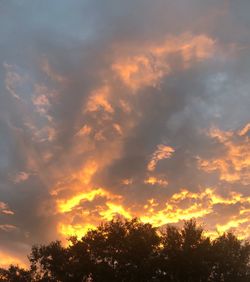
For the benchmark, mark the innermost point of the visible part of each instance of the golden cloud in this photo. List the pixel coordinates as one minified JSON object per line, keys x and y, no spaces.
{"x":186,"y":205}
{"x":69,"y":204}
{"x":183,"y":205}
{"x":78,"y":230}
{"x":234,"y":164}
{"x":113,"y":210}
{"x":154,"y":180}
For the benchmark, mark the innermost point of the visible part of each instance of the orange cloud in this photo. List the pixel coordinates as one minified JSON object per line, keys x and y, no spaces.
{"x":234,"y":223}
{"x":99,"y":100}
{"x":145,"y":66}
{"x":114,"y":210}
{"x":78,"y":230}
{"x":244,"y":130}
{"x":138,"y":71}
{"x":86,"y":218}
{"x":186,"y":205}
{"x":127,"y":181}
{"x":181,"y":206}
{"x":85,"y":130}
{"x":162,"y":152}
{"x":68,"y":204}
{"x":154,"y":180}
{"x":77,"y":180}
{"x":234,"y":164}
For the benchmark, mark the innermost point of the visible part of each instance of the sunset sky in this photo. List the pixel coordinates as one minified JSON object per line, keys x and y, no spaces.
{"x":136,"y":107}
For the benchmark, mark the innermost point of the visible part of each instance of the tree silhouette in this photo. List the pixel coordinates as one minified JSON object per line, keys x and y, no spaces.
{"x":15,"y":274}
{"x":231,"y":259}
{"x":123,"y":250}
{"x":132,"y":251}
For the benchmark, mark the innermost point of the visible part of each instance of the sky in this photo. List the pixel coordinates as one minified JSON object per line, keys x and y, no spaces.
{"x":132,"y":108}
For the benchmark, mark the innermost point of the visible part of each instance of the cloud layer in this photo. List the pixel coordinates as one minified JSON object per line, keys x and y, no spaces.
{"x":137,"y":108}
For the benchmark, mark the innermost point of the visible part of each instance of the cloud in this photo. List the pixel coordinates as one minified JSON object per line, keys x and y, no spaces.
{"x":162,"y":152}
{"x":21,"y":176}
{"x":138,"y":108}
{"x":98,"y":99}
{"x":153,"y":180}
{"x":233,"y":165}
{"x":147,"y":65}
{"x":7,"y":227}
{"x":5,"y":209}
{"x":69,"y":204}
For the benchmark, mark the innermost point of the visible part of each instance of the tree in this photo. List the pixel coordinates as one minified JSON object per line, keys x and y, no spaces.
{"x":123,"y":250}
{"x":15,"y":274}
{"x":186,"y":254}
{"x":231,"y":259}
{"x":132,"y":251}
{"x":56,"y":263}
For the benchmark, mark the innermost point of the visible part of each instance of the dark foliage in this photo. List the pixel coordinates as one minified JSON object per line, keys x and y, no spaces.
{"x":131,"y":251}
{"x":15,"y":274}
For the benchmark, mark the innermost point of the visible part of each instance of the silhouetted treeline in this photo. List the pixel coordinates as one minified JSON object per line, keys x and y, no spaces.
{"x":131,"y":251}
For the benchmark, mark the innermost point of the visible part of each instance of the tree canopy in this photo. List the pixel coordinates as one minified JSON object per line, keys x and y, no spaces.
{"x":132,"y":251}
